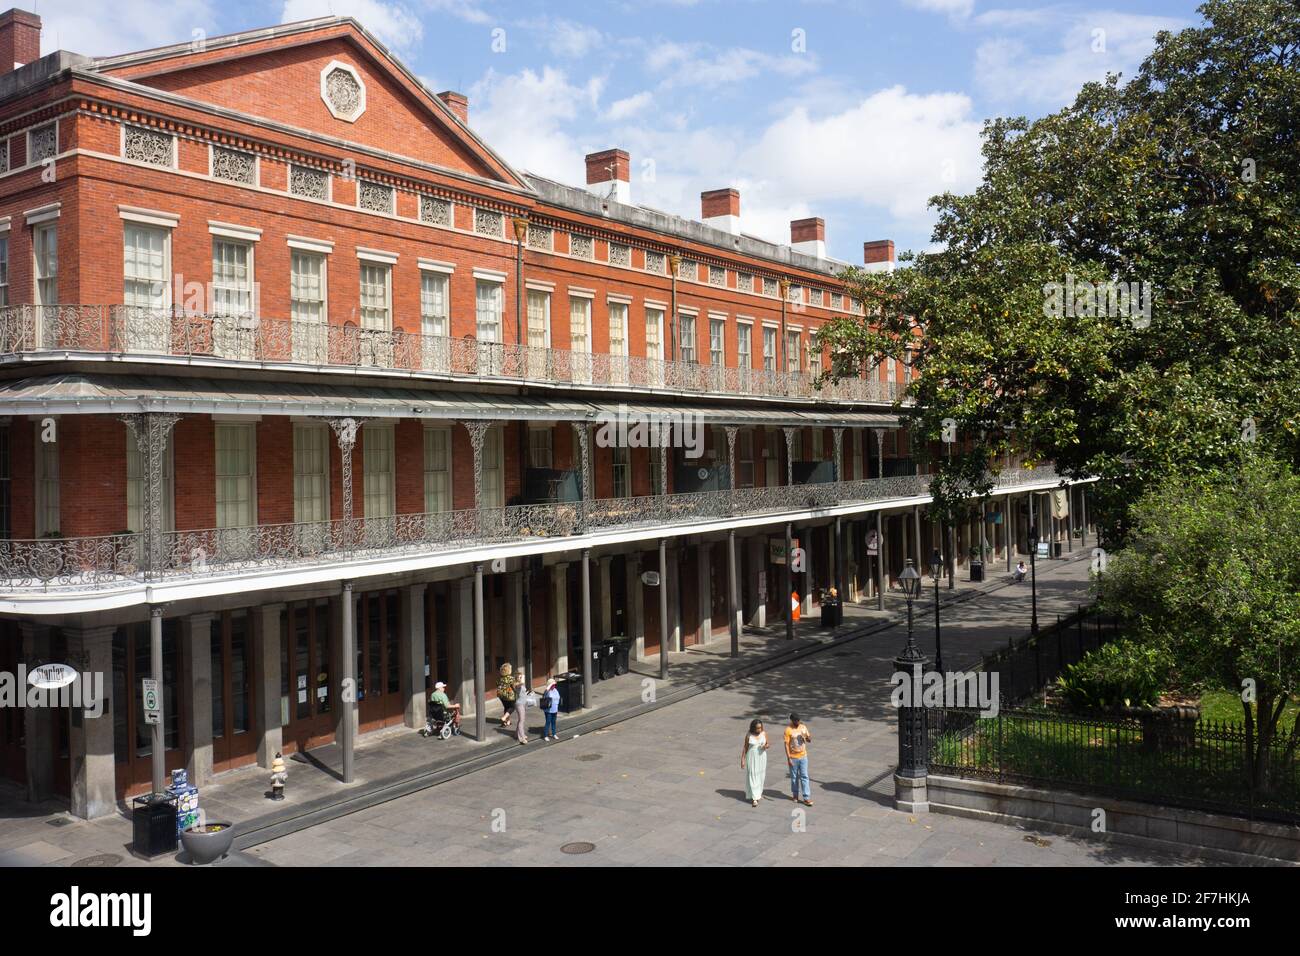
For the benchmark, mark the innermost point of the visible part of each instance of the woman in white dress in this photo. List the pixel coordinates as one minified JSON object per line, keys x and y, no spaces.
{"x":753,"y":760}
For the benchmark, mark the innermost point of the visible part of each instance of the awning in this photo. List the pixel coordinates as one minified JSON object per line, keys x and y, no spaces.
{"x":125,"y":394}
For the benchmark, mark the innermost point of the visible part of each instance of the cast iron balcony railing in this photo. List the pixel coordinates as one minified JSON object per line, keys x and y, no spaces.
{"x":57,"y":564}
{"x":118,"y":329}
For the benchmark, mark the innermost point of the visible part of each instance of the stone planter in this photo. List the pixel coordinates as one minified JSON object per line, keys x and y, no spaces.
{"x":208,"y":843}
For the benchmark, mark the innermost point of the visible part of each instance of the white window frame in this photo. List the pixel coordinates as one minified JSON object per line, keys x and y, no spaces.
{"x":318,"y":432}
{"x":431,"y":473}
{"x":40,"y":277}
{"x":46,"y":475}
{"x":378,"y":453}
{"x":225,"y":428}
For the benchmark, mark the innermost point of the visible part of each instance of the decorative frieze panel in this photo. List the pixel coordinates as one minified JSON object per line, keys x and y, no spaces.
{"x":717,"y":276}
{"x":234,"y":165}
{"x":43,"y":142}
{"x":435,"y":211}
{"x":619,"y":254}
{"x":745,"y":281}
{"x":4,"y":156}
{"x":375,"y":197}
{"x":770,"y":287}
{"x":656,"y":262}
{"x":541,"y":237}
{"x":689,"y":269}
{"x":140,"y":144}
{"x":582,"y":247}
{"x":489,"y":222}
{"x":308,"y":182}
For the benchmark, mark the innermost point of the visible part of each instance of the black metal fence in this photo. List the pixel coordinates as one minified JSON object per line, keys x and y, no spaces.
{"x":1026,"y":666}
{"x":1201,"y":765}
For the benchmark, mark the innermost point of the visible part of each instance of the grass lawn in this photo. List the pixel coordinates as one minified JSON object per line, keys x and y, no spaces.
{"x":1224,"y":705}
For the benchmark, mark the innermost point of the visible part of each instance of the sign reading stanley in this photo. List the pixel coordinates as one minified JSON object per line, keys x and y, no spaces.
{"x":76,"y":909}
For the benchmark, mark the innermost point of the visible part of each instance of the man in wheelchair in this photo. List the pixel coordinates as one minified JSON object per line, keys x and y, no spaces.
{"x":441,"y":712}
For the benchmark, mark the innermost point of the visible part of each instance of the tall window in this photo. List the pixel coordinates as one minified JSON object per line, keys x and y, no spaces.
{"x":540,"y":449}
{"x":136,"y":499}
{"x":772,"y":440}
{"x":376,"y":296}
{"x":618,"y":341}
{"x":793,"y":358}
{"x":6,"y":509}
{"x":47,"y":486}
{"x":235,"y":459}
{"x":717,"y":339}
{"x":437,"y":469}
{"x":745,"y":346}
{"x":655,"y":471}
{"x":310,"y":473}
{"x":45,"y":248}
{"x":4,"y":270}
{"x":144,"y":266}
{"x":769,"y":349}
{"x":434,"y":313}
{"x":622,"y":471}
{"x":818,"y":445}
{"x":493,"y":477}
{"x":307,"y":305}
{"x":377,"y":464}
{"x":487,"y":304}
{"x":232,"y":278}
{"x":580,"y":338}
{"x":686,"y":326}
{"x":539,"y":319}
{"x":654,"y":334}
{"x":745,"y":458}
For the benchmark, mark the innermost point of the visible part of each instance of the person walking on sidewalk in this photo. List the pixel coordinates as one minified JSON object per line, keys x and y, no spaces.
{"x":753,"y":760}
{"x":797,"y":738}
{"x":551,"y":710}
{"x":506,"y":694}
{"x":521,"y":715}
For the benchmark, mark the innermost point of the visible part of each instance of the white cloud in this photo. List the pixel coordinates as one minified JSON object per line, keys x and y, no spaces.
{"x":1012,"y":69}
{"x":568,"y":39}
{"x":134,"y":25}
{"x":397,"y":26}
{"x":629,"y":106}
{"x":953,"y":8}
{"x":701,"y":65}
{"x":525,"y":117}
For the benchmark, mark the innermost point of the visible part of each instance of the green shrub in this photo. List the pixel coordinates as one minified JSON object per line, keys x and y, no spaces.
{"x":1121,"y":673}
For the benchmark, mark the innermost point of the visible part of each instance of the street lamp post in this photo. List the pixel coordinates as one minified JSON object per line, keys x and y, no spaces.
{"x":935,"y":567}
{"x":910,"y":777}
{"x":1033,"y":577}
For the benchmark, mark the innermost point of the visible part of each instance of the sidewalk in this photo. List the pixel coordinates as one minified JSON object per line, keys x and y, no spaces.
{"x":398,"y":761}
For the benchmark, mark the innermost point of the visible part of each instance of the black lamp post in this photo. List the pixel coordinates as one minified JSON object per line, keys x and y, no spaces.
{"x":912,"y":756}
{"x":935,"y":567}
{"x":1033,"y":578}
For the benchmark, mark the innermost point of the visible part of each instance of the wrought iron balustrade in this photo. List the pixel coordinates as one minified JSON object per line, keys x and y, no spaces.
{"x":122,"y":329}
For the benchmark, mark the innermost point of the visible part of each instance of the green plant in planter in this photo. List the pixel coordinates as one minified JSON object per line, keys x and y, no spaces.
{"x":1121,"y":673}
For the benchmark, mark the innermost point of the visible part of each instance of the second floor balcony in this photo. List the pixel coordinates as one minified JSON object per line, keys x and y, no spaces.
{"x":30,"y":331}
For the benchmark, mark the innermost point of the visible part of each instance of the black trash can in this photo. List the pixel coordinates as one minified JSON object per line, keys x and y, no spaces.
{"x":832,"y":613}
{"x":570,"y":687}
{"x":153,"y":825}
{"x":1057,"y":549}
{"x":622,"y":655}
{"x":977,"y":570}
{"x":608,"y":660}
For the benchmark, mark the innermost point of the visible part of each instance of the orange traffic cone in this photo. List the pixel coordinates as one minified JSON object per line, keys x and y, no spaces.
{"x":794,"y":605}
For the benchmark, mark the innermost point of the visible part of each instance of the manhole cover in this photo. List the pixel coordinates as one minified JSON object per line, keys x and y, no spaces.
{"x":103,"y":859}
{"x":589,"y":757}
{"x":582,"y":846}
{"x":58,"y":822}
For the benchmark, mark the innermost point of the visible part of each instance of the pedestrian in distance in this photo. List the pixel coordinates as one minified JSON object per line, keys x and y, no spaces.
{"x":1020,"y":572}
{"x":797,"y":738}
{"x":551,"y":710}
{"x":521,"y":715}
{"x":506,"y":693}
{"x":753,"y":760}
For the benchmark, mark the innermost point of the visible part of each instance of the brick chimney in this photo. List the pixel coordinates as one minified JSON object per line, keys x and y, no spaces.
{"x":609,"y":175}
{"x":808,"y":236}
{"x":458,"y":103}
{"x":720,"y":208}
{"x":20,"y":39}
{"x":879,"y":255}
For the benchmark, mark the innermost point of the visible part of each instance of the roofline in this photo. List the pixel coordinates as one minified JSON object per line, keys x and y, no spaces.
{"x":233,"y":40}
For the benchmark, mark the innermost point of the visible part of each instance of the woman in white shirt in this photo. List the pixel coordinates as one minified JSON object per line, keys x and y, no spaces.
{"x":753,"y":760}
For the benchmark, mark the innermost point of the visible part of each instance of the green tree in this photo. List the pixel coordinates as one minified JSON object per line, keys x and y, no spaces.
{"x":1186,"y":178}
{"x":1211,"y":576}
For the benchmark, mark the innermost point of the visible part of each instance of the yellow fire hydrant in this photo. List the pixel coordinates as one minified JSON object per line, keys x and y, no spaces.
{"x":279,"y":775}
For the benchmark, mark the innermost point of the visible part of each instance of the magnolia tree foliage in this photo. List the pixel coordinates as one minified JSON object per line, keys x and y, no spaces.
{"x":1212,"y":577}
{"x":1184,"y":180}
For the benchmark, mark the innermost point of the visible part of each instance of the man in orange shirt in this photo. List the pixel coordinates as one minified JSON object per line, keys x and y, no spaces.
{"x":797,"y":738}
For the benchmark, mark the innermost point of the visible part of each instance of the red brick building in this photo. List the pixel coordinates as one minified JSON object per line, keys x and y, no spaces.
{"x":290,"y":359}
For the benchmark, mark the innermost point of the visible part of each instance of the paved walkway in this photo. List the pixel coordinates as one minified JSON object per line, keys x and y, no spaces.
{"x":399,"y":761}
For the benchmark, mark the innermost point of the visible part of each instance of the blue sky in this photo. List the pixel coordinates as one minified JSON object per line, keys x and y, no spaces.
{"x":853,"y":110}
